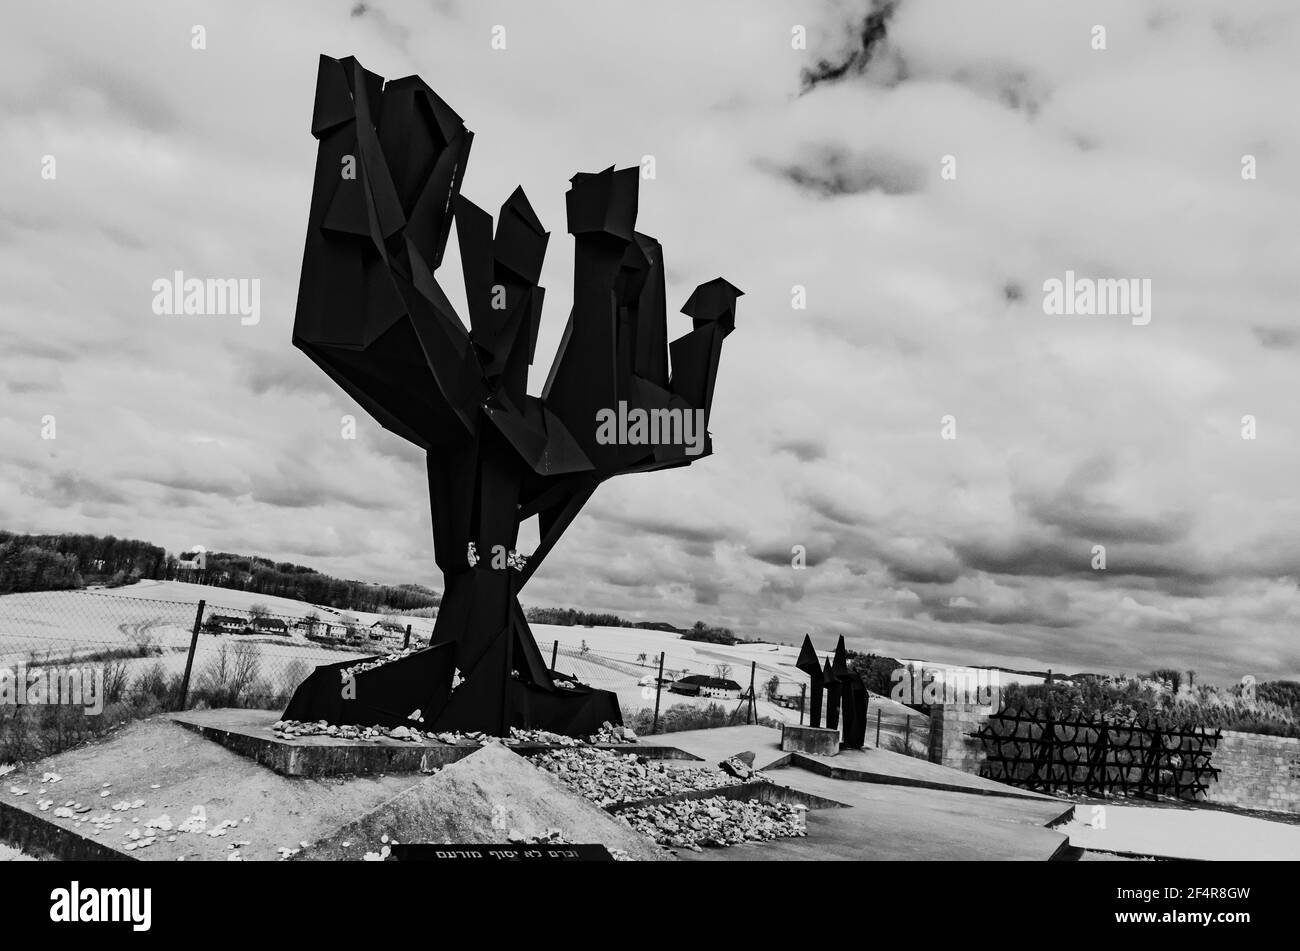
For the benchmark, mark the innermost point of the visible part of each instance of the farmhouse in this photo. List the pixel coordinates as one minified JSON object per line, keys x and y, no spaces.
{"x":382,"y":629}
{"x":269,"y":625}
{"x":701,"y":685}
{"x":227,"y":624}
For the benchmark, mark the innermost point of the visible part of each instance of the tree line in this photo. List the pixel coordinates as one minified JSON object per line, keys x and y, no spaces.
{"x":70,"y":561}
{"x":286,"y":580}
{"x":60,"y":562}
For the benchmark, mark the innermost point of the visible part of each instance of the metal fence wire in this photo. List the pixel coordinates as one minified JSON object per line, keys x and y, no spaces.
{"x":186,"y":655}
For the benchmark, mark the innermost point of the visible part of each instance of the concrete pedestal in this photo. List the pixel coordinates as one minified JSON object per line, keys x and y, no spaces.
{"x":809,"y":739}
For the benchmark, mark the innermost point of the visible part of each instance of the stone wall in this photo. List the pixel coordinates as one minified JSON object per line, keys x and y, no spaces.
{"x":949,"y":743}
{"x":1257,"y":772}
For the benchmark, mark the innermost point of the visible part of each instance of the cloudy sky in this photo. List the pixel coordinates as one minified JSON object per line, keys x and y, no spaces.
{"x":776,"y":166}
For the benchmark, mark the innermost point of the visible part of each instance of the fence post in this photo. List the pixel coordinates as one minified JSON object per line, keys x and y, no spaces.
{"x":189,"y":661}
{"x":659,"y":686}
{"x":555,"y":650}
{"x":877,"y":728}
{"x":407,"y":642}
{"x":803,"y":697}
{"x":753,"y":709}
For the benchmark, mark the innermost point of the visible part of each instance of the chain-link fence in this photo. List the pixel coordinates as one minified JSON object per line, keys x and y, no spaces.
{"x":184,"y":653}
{"x":154,"y":655}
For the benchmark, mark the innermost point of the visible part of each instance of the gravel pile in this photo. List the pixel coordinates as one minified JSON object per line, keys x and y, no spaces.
{"x":540,"y":736}
{"x":606,"y":777}
{"x":347,"y":673}
{"x":696,"y":823}
{"x":291,"y":729}
{"x":609,"y":733}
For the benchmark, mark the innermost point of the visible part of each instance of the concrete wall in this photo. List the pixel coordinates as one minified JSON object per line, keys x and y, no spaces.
{"x":949,"y":744}
{"x":1257,"y":772}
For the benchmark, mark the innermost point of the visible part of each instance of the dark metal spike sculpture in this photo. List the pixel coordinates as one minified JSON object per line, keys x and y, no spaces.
{"x":832,"y":697}
{"x":853,"y":699}
{"x":811,"y":666}
{"x":372,"y":314}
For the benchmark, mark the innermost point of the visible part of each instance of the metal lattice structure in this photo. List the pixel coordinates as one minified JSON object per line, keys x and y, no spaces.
{"x":1042,"y":751}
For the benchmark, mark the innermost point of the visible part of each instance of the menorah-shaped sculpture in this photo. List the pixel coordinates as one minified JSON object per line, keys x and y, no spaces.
{"x":373,"y":316}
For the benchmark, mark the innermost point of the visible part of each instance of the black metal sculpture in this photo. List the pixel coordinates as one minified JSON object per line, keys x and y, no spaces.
{"x":373,"y":316}
{"x":846,"y":695}
{"x":853,"y":699}
{"x":811,"y":666}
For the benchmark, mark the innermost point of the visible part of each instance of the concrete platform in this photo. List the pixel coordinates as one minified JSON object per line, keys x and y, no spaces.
{"x":867,"y":766}
{"x":248,"y":733}
{"x":896,"y":769}
{"x":900,"y":808}
{"x":909,"y":823}
{"x":175,"y":770}
{"x":191,"y":773}
{"x":270,"y":810}
{"x":1180,"y":832}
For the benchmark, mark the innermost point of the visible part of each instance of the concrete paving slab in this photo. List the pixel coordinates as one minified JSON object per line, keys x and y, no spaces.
{"x":1176,"y":833}
{"x":870,"y":765}
{"x":191,"y":773}
{"x":901,"y":823}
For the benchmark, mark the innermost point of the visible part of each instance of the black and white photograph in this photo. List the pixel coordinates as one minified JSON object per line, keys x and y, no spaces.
{"x":689,"y":434}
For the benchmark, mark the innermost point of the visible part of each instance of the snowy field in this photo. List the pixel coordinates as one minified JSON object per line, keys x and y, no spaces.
{"x":52,"y":626}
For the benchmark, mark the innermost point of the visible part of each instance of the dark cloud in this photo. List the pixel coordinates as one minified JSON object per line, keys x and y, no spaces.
{"x":805,"y":450}
{"x":781,"y":590}
{"x":706,"y":592}
{"x":1073,"y":509}
{"x":831,"y":171}
{"x":783,"y":557}
{"x":1051,"y":611}
{"x":1276,"y":338}
{"x":669,"y":529}
{"x":72,"y":488}
{"x":858,"y":47}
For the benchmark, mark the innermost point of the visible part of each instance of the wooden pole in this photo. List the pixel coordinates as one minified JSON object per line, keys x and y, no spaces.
{"x":189,"y":661}
{"x":753,"y":708}
{"x":659,"y":686}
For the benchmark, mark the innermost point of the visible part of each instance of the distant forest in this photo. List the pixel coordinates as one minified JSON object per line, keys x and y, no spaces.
{"x":62,"y":562}
{"x":286,"y":580}
{"x":570,"y":617}
{"x":58,"y":562}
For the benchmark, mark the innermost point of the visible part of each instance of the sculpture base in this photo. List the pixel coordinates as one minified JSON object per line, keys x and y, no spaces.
{"x":416,"y":691}
{"x":809,"y":739}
